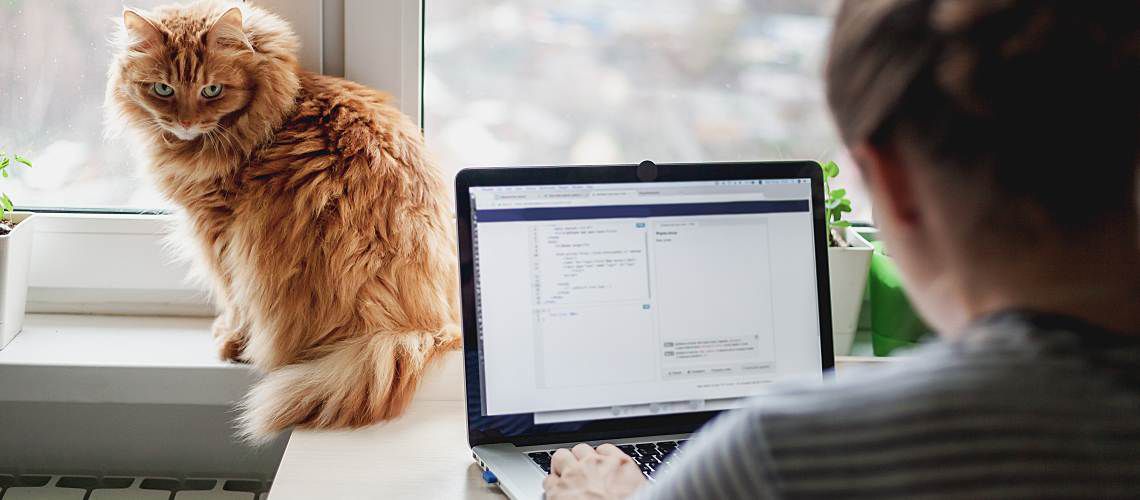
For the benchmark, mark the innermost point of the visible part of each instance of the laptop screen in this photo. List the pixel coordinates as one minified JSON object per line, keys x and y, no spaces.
{"x":603,"y":301}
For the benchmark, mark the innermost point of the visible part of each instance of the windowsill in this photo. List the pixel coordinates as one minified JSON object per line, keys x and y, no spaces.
{"x":86,"y":360}
{"x":155,"y":360}
{"x":144,"y":360}
{"x":118,"y":359}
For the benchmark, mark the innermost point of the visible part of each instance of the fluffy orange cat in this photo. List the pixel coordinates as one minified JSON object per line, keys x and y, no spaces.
{"x":308,"y":200}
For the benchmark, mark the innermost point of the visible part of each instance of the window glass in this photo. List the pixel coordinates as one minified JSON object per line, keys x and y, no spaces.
{"x":507,"y":82}
{"x":53,"y":68}
{"x":539,"y":82}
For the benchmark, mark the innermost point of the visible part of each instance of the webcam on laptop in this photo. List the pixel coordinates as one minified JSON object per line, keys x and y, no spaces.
{"x":647,"y":171}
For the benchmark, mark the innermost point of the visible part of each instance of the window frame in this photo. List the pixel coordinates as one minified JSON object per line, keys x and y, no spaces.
{"x":362,"y":40}
{"x":117,"y":261}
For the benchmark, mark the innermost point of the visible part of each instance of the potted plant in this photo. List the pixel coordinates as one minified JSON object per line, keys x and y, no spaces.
{"x":15,"y":256}
{"x":894,"y":323}
{"x":849,"y":259}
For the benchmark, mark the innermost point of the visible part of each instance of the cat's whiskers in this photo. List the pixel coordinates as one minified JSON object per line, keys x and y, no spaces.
{"x":219,"y":137}
{"x":158,"y":130}
{"x":209,"y":140}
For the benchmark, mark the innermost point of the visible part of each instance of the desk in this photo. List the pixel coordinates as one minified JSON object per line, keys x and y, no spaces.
{"x":422,"y":455}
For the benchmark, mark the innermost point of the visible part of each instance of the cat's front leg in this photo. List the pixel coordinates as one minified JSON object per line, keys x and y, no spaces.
{"x":231,"y":336}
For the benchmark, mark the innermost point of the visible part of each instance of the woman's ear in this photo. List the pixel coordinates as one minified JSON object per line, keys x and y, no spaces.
{"x":891,"y":184}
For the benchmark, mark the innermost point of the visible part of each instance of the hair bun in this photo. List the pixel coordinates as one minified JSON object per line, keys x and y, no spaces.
{"x":993,"y":49}
{"x":981,"y":40}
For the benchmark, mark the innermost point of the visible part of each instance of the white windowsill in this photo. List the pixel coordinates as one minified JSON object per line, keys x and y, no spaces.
{"x":156,"y":360}
{"x":144,"y":360}
{"x":118,"y":359}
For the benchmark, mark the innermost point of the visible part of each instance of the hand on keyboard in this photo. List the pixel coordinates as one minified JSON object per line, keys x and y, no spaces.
{"x":648,"y":456}
{"x":584,"y":472}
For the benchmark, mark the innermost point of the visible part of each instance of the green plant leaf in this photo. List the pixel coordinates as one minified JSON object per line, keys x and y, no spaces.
{"x":833,"y":203}
{"x":6,"y":202}
{"x":841,"y":224}
{"x":838,"y":193}
{"x":4,"y":173}
{"x":845,"y":203}
{"x":3,"y":162}
{"x":830,"y":169}
{"x":23,"y":160}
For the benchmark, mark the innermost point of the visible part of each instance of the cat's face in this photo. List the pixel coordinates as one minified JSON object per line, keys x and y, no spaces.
{"x":186,"y":75}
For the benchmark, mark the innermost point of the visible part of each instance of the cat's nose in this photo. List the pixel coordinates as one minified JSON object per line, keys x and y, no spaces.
{"x":184,"y":123}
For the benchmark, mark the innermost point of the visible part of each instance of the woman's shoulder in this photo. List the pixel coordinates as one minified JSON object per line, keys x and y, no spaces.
{"x":1004,"y":368}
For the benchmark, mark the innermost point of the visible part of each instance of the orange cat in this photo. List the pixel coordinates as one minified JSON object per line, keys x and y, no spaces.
{"x":310,"y":203}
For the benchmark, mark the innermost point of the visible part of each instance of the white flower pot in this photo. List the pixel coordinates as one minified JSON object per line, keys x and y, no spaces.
{"x":848,"y":267}
{"x":15,"y":260}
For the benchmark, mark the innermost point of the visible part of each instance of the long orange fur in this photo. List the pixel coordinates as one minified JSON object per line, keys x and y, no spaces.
{"x":310,"y":203}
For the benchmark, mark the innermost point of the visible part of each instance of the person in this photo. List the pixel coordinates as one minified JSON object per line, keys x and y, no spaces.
{"x":998,"y":139}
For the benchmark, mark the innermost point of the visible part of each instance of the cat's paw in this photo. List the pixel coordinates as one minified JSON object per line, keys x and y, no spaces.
{"x":231,"y":350}
{"x":231,"y":343}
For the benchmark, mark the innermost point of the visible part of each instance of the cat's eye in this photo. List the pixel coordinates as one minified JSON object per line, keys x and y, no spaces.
{"x":211,"y":91}
{"x":162,"y":89}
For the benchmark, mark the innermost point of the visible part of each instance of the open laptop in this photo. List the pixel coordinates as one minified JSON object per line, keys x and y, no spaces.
{"x":632,"y":303}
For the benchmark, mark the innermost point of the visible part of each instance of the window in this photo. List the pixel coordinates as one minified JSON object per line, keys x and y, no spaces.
{"x":53,"y":61}
{"x":504,"y":82}
{"x":534,"y":82}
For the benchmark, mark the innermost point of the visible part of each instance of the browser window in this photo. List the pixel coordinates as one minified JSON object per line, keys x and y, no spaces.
{"x":616,"y":300}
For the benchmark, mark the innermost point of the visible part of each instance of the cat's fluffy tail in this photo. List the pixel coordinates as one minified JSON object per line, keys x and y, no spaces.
{"x":351,"y":383}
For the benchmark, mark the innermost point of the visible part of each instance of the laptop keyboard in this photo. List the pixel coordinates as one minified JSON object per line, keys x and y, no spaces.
{"x":648,"y":456}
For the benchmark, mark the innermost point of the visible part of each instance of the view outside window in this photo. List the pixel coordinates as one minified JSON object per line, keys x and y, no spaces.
{"x":53,"y":69}
{"x":541,"y":82}
{"x":506,"y":82}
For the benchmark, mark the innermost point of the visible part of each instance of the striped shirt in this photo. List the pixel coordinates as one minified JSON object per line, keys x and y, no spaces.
{"x":1019,"y":406}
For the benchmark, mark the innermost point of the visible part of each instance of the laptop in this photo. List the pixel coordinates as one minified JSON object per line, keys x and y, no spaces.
{"x":631,"y":304}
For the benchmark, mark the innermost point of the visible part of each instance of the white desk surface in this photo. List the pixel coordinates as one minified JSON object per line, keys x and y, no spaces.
{"x":421,"y":455}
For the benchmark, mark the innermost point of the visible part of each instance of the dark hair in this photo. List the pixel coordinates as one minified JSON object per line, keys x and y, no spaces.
{"x":1040,"y":97}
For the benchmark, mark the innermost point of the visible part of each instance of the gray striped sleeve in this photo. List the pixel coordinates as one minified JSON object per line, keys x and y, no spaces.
{"x":728,"y":459}
{"x":1009,"y":411}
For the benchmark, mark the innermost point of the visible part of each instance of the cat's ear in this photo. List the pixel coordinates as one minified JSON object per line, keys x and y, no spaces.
{"x":227,"y":31}
{"x":142,"y":33}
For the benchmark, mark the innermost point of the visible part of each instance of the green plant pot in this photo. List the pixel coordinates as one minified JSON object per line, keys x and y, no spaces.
{"x":894,"y":324}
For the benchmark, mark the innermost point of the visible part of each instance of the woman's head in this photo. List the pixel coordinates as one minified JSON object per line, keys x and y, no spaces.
{"x":989,"y":128}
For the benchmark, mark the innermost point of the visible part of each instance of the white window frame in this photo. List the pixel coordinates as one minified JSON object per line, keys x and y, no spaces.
{"x":120,"y":264}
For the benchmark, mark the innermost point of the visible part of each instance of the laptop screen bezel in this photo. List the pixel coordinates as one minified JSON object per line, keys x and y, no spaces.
{"x":526,"y":176}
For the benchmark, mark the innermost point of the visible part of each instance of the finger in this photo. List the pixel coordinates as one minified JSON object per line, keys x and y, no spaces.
{"x":583,"y":451}
{"x":611,"y":450}
{"x":631,"y":475}
{"x":561,"y":459}
{"x":550,"y":482}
